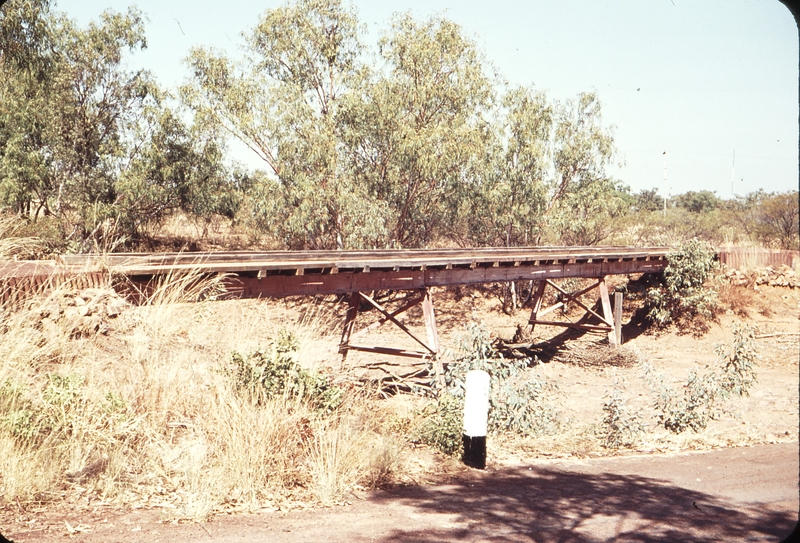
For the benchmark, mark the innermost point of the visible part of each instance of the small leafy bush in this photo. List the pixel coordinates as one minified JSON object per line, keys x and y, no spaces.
{"x":59,"y":412}
{"x":691,"y":410}
{"x":702,"y":397}
{"x":739,"y":361}
{"x":680,"y":295}
{"x":621,"y":425}
{"x":273,"y":372}
{"x":443,"y":424}
{"x":517,"y":398}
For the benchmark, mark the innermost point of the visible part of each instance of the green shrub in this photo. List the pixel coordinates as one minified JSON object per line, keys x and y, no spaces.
{"x":273,"y":372}
{"x":516,"y":402}
{"x":738,"y":370}
{"x":517,"y":399}
{"x":621,"y":426}
{"x":442,"y":424}
{"x":32,"y":418}
{"x":702,"y":397}
{"x":691,"y":410}
{"x":680,"y":294}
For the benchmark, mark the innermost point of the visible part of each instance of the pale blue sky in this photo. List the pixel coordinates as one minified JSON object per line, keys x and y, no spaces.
{"x":696,"y":79}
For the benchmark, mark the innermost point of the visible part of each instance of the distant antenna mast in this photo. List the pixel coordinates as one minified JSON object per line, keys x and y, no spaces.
{"x":733,"y":171}
{"x":665,"y":183}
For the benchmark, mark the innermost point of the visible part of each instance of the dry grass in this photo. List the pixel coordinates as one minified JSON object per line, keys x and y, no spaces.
{"x":14,"y":245}
{"x":148,"y":415}
{"x":741,"y":300}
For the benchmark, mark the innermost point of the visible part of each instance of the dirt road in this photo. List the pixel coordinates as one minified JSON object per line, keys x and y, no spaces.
{"x":736,"y":494}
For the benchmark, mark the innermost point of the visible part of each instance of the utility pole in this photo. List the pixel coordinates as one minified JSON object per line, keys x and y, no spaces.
{"x":665,"y":183}
{"x":733,"y":172}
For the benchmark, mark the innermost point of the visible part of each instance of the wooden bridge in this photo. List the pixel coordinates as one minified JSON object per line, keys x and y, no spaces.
{"x":274,"y":274}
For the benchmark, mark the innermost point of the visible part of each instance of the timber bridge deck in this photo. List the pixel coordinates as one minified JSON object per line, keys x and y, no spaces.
{"x":274,"y":274}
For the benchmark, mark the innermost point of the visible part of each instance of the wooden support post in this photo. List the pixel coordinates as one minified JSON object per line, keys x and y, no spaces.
{"x":607,"y":314}
{"x":537,"y":302}
{"x":433,"y":336}
{"x":618,"y":317}
{"x":430,"y":321}
{"x":349,"y":322}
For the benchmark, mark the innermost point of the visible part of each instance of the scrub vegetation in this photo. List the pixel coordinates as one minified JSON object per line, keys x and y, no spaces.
{"x":415,"y":142}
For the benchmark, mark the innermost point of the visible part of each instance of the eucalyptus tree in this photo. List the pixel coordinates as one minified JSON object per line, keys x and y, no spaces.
{"x":89,"y":142}
{"x":282,"y":103}
{"x":359,"y":156}
{"x":66,"y":105}
{"x":27,"y":56}
{"x":584,"y":202}
{"x":417,"y":133}
{"x":508,"y":208}
{"x":547,"y":181}
{"x":583,"y":147}
{"x":98,"y":102}
{"x":409,"y":151}
{"x":175,"y":167}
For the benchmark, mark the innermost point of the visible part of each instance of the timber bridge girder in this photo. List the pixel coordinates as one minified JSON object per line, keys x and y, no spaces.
{"x":275,"y":274}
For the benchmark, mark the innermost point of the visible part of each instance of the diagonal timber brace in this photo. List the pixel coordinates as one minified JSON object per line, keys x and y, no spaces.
{"x":431,"y":346}
{"x":610,"y":322}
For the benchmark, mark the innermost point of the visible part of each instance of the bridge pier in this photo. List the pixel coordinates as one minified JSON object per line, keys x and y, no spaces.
{"x":431,"y":346}
{"x":610,"y":321}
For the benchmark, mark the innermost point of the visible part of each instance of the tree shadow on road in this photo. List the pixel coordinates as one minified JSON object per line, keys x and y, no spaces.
{"x":545,"y":505}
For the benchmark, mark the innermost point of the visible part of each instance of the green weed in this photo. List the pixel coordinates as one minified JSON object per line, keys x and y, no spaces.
{"x":273,"y":372}
{"x":702,"y":396}
{"x":621,"y":425}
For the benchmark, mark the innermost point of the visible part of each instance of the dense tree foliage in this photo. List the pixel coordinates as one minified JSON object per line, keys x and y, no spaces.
{"x":416,"y":149}
{"x":415,"y":143}
{"x":83,"y":139}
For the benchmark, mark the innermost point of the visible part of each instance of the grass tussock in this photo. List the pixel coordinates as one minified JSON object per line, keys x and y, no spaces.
{"x":147,"y":411}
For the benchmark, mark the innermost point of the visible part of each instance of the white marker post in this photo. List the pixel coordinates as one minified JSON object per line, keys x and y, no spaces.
{"x":476,"y":414}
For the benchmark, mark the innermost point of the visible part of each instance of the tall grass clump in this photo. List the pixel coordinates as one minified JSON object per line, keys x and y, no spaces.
{"x":154,"y":412}
{"x":53,"y":422}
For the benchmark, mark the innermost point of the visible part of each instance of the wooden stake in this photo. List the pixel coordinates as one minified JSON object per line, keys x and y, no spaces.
{"x":433,"y":336}
{"x":618,"y":317}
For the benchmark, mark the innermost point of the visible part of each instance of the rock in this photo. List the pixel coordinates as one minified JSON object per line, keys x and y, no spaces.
{"x":115,"y":306}
{"x":89,"y":326}
{"x":51,"y":309}
{"x":90,"y":471}
{"x":50,"y":329}
{"x":96,"y":294}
